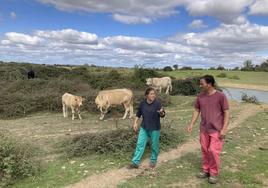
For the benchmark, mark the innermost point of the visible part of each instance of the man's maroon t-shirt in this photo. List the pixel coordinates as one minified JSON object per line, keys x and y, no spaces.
{"x":212,"y":111}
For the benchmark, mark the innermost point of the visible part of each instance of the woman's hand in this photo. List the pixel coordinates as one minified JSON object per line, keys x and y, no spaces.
{"x":136,"y":127}
{"x":161,"y":112}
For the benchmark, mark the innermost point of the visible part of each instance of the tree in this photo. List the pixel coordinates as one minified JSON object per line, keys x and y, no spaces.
{"x":236,"y":69}
{"x":248,"y":66}
{"x":175,"y":67}
{"x":167,"y":68}
{"x":186,"y":68}
{"x":220,"y":67}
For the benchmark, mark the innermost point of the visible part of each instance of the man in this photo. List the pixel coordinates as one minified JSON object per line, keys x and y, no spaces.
{"x":214,"y":109}
{"x":151,"y":110}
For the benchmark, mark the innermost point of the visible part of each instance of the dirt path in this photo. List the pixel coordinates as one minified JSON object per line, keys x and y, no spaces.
{"x":244,"y":86}
{"x":112,"y":178}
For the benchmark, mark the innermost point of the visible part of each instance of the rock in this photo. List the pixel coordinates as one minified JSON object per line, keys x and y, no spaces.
{"x":82,"y":164}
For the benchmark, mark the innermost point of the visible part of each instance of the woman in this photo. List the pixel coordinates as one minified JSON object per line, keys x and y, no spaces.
{"x":151,"y":110}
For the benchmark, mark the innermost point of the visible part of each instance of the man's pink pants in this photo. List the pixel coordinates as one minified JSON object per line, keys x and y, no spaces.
{"x":211,"y":146}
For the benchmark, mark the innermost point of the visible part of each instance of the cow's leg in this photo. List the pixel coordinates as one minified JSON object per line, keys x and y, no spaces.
{"x":167,"y":90}
{"x":73,"y":111}
{"x":170,"y":87}
{"x":131,"y":110}
{"x":63,"y":110}
{"x":101,"y":116}
{"x":160,"y":89}
{"x":126,"y":110}
{"x":79,"y":115}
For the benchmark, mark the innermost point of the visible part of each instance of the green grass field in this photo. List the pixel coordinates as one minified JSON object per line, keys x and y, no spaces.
{"x":48,"y":130}
{"x":243,"y":163}
{"x":254,"y":78}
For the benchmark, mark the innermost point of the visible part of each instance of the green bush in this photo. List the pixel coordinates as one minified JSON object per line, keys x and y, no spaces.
{"x":167,"y":68}
{"x":17,"y":160}
{"x":22,"y":97}
{"x":189,"y":86}
{"x":116,"y":142}
{"x":222,"y":75}
{"x":249,"y":99}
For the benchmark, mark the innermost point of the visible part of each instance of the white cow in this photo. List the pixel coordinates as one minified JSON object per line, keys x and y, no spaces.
{"x":160,"y":83}
{"x":73,"y":102}
{"x":115,"y":97}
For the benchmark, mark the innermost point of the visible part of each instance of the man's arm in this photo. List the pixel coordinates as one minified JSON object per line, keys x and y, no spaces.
{"x":225,"y":123}
{"x":194,"y":118}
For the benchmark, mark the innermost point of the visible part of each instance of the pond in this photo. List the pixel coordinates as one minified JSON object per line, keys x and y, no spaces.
{"x":236,"y":93}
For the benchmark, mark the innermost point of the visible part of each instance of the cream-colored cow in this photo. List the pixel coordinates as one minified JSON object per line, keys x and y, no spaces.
{"x":73,"y":102}
{"x":160,"y":83}
{"x":115,"y":97}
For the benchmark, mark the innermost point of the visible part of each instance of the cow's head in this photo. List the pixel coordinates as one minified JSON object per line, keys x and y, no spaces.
{"x":149,"y":81}
{"x":79,"y":100}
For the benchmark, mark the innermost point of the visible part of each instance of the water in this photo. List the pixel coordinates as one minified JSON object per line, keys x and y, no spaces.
{"x":236,"y":93}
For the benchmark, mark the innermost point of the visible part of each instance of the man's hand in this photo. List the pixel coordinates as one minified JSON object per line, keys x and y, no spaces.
{"x":223,"y":133}
{"x":190,"y":128}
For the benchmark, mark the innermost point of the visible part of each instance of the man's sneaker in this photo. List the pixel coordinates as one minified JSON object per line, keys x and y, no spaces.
{"x":132,"y":166}
{"x":213,"y":179}
{"x":203,"y":175}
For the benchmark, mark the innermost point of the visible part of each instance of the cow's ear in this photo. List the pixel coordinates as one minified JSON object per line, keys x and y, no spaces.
{"x":84,"y":99}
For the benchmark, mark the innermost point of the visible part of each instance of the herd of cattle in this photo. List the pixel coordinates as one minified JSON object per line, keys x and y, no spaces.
{"x":112,"y":98}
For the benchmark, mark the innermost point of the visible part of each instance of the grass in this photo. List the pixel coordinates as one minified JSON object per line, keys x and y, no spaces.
{"x":243,"y":164}
{"x":48,"y":130}
{"x":237,"y":77}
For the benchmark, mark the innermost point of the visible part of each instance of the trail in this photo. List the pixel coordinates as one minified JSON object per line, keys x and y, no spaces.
{"x":112,"y":178}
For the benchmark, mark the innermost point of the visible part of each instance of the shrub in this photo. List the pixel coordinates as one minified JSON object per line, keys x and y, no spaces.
{"x":22,"y":97}
{"x":17,"y":160}
{"x":249,"y":99}
{"x":167,"y":68}
{"x":116,"y":142}
{"x":189,"y":86}
{"x":186,"y":68}
{"x":222,"y":75}
{"x":140,"y":75}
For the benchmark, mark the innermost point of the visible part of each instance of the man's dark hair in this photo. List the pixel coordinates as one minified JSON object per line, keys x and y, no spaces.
{"x":148,"y":90}
{"x":209,"y":79}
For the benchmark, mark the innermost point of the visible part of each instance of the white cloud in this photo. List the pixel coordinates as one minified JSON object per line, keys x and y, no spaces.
{"x":131,"y":19}
{"x":13,"y":15}
{"x":228,"y":44}
{"x":226,"y":11}
{"x":140,"y":11}
{"x":127,"y":11}
{"x":69,"y":36}
{"x":18,"y":38}
{"x":197,"y":24}
{"x":259,"y":7}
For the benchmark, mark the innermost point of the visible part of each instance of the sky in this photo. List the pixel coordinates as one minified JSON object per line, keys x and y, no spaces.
{"x":125,"y":33}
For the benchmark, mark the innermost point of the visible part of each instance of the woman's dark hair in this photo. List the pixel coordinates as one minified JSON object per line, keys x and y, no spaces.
{"x":209,"y":79}
{"x":148,"y":90}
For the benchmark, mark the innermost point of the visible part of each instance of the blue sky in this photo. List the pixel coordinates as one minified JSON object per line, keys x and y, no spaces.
{"x":125,"y":33}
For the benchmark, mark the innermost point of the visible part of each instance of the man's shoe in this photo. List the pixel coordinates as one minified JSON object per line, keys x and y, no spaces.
{"x":213,"y":179}
{"x":132,"y":166}
{"x":203,"y":175}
